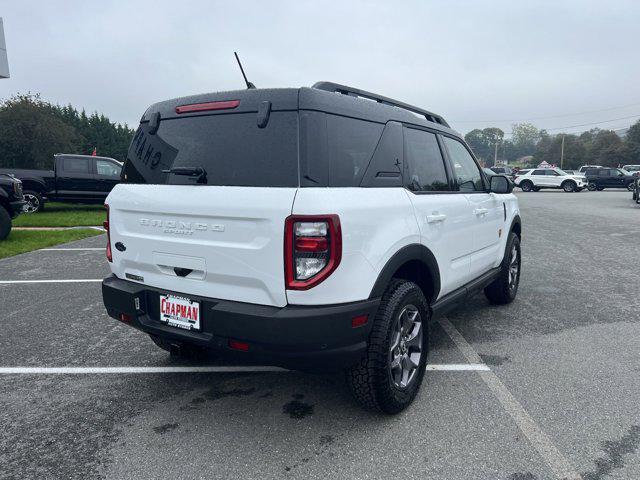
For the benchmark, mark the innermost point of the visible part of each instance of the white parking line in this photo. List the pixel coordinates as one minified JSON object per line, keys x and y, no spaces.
{"x":540,"y":441}
{"x":80,"y":280}
{"x":121,"y":370}
{"x":101,"y":249}
{"x":458,"y":367}
{"x":189,"y":369}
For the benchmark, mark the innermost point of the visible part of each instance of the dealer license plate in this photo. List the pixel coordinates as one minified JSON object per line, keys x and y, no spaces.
{"x":180,"y":312}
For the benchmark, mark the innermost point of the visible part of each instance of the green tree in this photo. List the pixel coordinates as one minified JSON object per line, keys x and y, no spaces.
{"x":483,"y":142}
{"x":31,"y":133}
{"x":478,"y":143}
{"x":523,"y":141}
{"x":32,"y":130}
{"x":632,"y":144}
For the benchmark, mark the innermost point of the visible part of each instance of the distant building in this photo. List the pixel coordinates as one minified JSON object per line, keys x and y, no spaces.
{"x":4,"y":63}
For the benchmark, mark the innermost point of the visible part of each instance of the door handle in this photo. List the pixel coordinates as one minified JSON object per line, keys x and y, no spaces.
{"x":436,"y":218}
{"x":481,"y":211}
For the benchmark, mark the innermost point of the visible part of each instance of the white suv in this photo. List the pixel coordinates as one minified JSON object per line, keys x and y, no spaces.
{"x":306,"y":228}
{"x":550,"y":178}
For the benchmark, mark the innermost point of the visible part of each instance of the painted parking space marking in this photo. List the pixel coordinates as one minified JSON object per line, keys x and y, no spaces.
{"x":138,"y":370}
{"x":188,"y":369}
{"x":558,"y":463}
{"x":459,"y":367}
{"x":79,"y":280}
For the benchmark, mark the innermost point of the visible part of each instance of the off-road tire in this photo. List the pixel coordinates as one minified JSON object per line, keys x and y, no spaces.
{"x":5,"y":223}
{"x":370,"y":380}
{"x":501,"y":291}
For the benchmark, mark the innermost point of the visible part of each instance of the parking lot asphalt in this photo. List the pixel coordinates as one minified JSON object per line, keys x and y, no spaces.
{"x":567,"y":352}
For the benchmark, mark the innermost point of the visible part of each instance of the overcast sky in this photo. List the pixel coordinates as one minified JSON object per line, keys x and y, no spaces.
{"x":477,"y":63}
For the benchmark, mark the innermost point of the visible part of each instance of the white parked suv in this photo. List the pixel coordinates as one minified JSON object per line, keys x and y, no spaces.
{"x":534,"y":180}
{"x":307,"y":228}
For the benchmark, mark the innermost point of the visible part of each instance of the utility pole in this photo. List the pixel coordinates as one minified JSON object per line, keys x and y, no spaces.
{"x":495,"y":155}
{"x":562,"y":153}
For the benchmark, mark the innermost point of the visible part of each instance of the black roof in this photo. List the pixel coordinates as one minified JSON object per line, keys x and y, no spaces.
{"x":323,"y":96}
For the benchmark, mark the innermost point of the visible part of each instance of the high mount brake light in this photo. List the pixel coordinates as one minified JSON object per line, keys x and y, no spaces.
{"x":106,"y":227}
{"x":205,"y":107}
{"x":312,"y":249}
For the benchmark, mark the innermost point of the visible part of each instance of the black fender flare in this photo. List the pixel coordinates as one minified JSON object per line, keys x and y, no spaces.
{"x":410,"y":252}
{"x":516,"y":225}
{"x":29,"y":182}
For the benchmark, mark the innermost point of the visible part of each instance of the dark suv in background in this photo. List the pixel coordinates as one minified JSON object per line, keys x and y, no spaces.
{"x":502,"y":170}
{"x":11,"y":202}
{"x":605,"y":177}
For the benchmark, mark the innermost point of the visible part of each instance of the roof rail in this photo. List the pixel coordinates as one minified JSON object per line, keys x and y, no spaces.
{"x":355,"y":92}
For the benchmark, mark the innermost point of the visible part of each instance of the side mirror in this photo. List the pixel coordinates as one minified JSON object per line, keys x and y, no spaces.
{"x":500,"y":184}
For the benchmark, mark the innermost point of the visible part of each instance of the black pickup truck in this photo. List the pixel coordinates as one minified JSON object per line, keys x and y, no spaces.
{"x":74,"y":178}
{"x":11,"y":202}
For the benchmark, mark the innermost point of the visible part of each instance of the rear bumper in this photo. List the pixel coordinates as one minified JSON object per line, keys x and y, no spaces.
{"x":299,"y":337}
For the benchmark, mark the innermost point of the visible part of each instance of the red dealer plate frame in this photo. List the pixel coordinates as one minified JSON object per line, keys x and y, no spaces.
{"x":180,"y":312}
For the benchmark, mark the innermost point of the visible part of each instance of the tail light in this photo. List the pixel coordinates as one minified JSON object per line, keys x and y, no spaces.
{"x":312,"y":249}
{"x":106,"y":227}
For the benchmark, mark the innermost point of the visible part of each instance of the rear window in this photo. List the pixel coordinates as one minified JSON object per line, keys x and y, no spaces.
{"x":335,"y":151}
{"x":230,"y":148}
{"x":75,"y":165}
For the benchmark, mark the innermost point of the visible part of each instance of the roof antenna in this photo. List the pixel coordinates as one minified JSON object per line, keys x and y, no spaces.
{"x":249,"y":84}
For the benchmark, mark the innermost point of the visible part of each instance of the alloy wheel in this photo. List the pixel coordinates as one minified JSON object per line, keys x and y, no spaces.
{"x":32,"y":204}
{"x":406,"y":346}
{"x":514,"y":268}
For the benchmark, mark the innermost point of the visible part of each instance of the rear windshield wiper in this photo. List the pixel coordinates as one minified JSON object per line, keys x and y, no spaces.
{"x":199,"y":172}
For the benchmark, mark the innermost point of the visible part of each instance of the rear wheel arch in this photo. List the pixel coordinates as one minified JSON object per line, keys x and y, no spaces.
{"x":516,"y":226}
{"x":413,"y":262}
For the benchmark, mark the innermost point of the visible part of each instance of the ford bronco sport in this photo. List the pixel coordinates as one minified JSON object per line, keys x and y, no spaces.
{"x":307,"y":227}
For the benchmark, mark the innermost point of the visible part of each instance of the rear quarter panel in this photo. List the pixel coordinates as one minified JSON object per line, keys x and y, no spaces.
{"x":375,"y":224}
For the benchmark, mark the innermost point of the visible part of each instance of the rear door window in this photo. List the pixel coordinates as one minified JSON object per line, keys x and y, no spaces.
{"x":424,"y":162}
{"x":538,"y":172}
{"x":465,"y":168}
{"x":230,"y":148}
{"x":75,"y":165}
